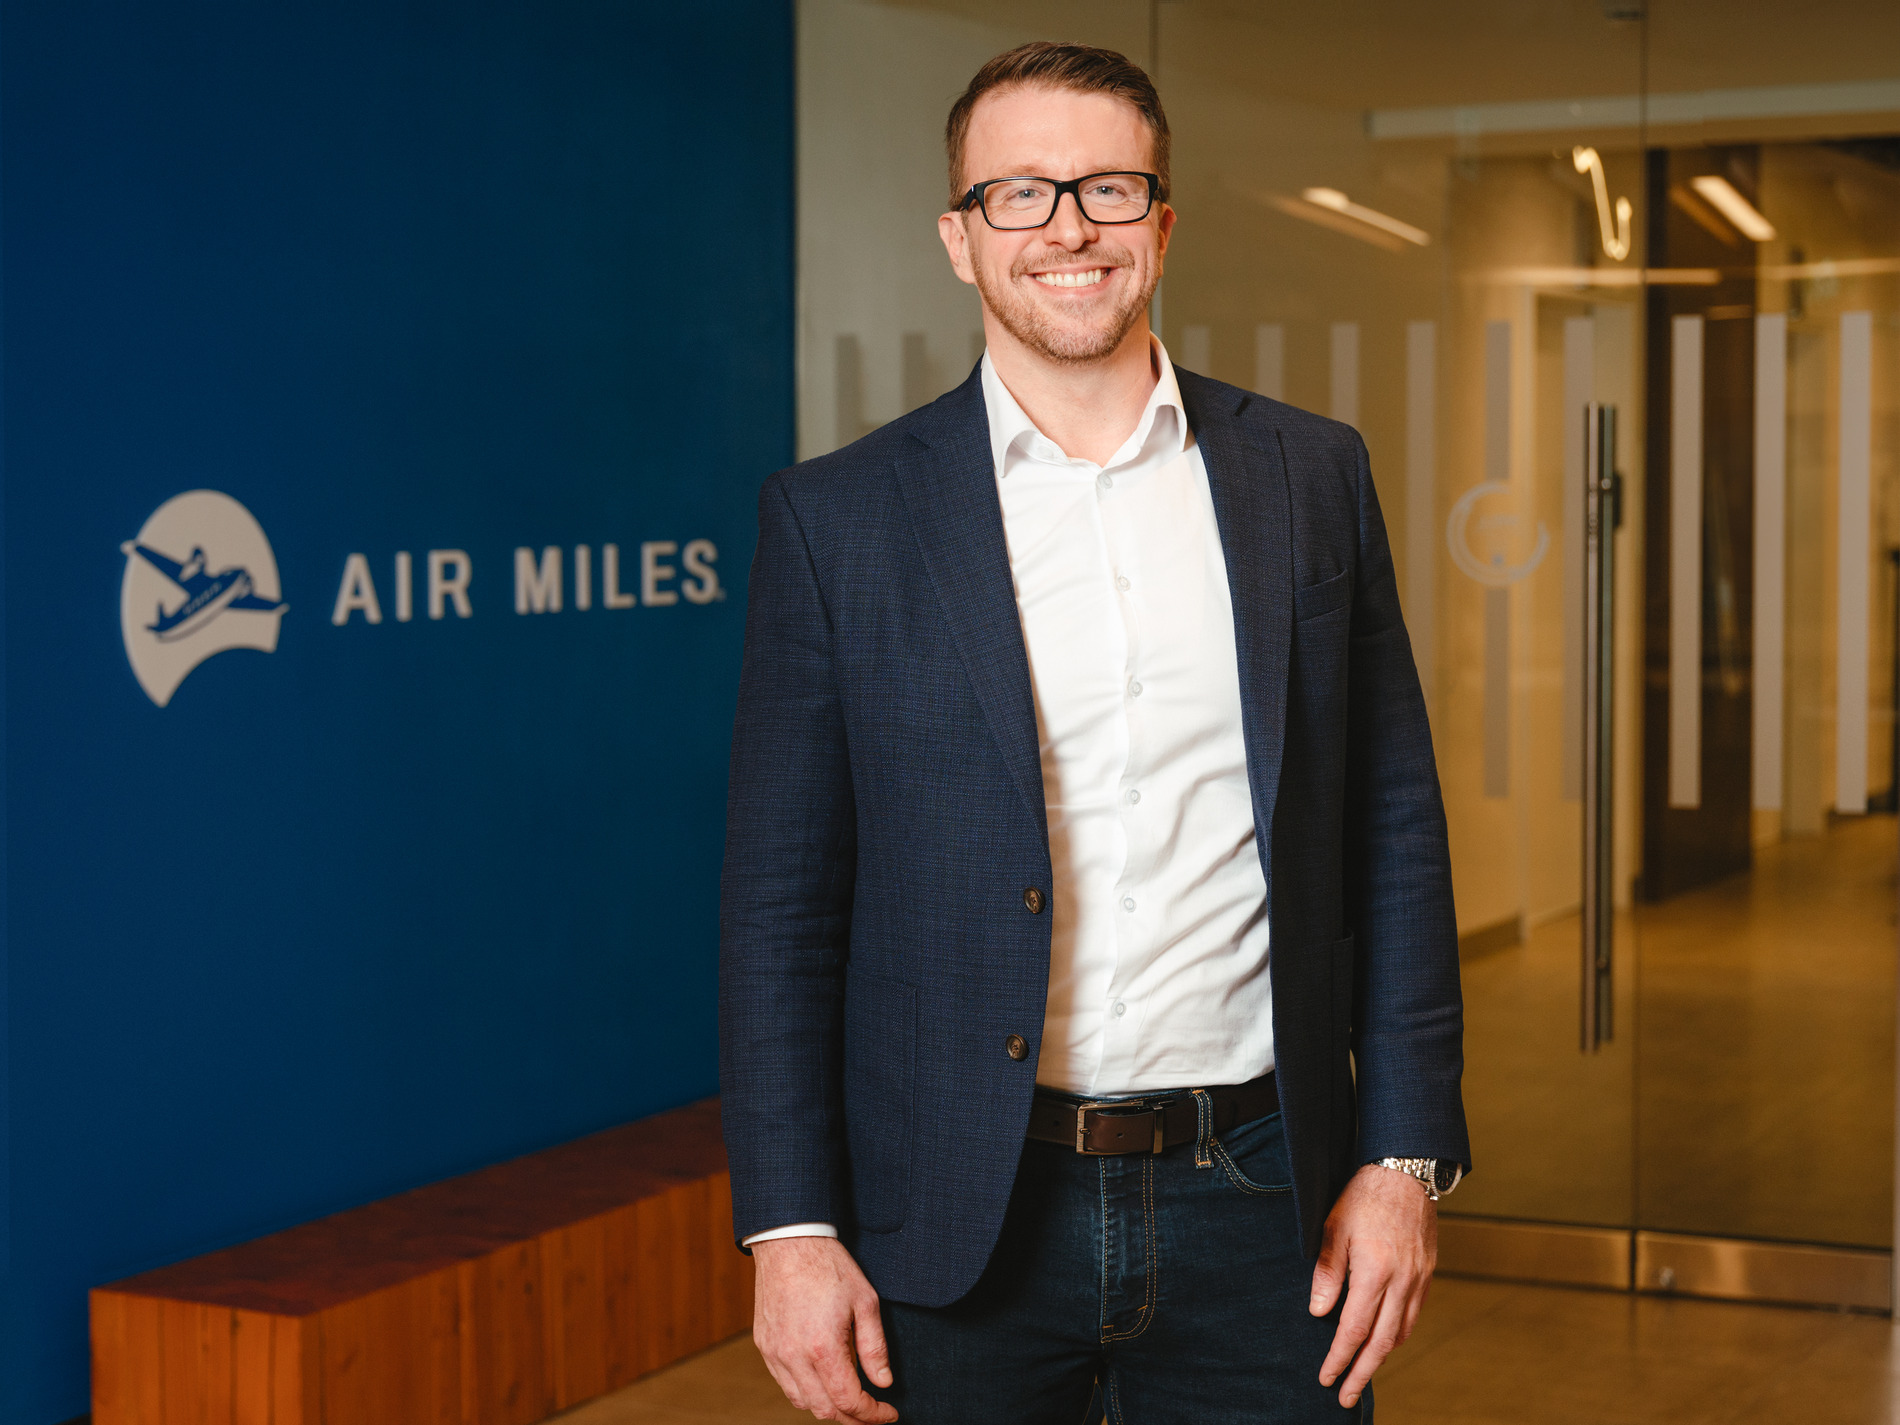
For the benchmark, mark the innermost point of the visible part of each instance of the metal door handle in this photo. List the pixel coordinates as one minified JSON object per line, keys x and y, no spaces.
{"x":1602,"y":501}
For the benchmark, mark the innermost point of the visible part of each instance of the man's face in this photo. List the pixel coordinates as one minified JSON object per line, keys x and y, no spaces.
{"x":1072,"y":290}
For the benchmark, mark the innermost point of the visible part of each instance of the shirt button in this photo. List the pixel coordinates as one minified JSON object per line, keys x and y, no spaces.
{"x":1032,"y":901}
{"x":1016,"y":1047}
{"x":1128,"y":902}
{"x":1121,"y":582}
{"x":1120,"y":1009}
{"x":1134,"y":690}
{"x":1134,"y":795}
{"x":1107,"y":481}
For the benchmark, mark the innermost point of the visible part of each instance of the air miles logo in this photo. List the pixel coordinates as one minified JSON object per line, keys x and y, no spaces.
{"x":200,"y":578}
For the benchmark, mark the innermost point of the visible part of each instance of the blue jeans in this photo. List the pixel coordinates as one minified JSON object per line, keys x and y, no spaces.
{"x":1174,"y":1282}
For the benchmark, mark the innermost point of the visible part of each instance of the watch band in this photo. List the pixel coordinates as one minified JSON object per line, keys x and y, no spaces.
{"x":1426,"y":1171}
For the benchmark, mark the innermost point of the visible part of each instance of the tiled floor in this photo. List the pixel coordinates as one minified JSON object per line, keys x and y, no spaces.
{"x":1489,"y":1354}
{"x":1755,"y":1030}
{"x":1765,"y":1037}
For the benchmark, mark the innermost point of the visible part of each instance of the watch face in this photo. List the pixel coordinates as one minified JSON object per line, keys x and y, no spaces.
{"x":1445,"y":1174}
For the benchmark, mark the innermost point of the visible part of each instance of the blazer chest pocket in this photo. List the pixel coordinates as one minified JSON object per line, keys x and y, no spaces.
{"x":1323,"y":597}
{"x":880,"y":1064}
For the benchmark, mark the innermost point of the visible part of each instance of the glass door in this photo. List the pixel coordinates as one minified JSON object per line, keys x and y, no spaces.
{"x":1766,"y":985}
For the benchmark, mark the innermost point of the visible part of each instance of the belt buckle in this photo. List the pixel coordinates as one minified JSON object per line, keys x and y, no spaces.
{"x":1082,"y":1129}
{"x":1158,"y":1109}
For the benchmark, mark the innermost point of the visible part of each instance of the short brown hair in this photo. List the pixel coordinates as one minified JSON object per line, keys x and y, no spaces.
{"x":1081,"y":68}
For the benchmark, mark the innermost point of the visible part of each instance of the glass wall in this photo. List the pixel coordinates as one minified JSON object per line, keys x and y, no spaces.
{"x":1459,"y":306}
{"x":1457,"y":228}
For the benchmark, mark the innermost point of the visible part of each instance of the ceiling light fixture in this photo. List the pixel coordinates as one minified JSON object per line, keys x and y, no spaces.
{"x":1723,"y":197}
{"x":1700,"y":211}
{"x":1335,"y":201}
{"x":1336,"y":222}
{"x":1616,"y":234}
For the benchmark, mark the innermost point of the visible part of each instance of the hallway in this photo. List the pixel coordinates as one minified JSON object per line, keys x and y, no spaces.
{"x":1734,"y":1002}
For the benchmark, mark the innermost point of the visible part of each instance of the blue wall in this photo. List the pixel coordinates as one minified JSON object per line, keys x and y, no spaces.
{"x":397,"y":899}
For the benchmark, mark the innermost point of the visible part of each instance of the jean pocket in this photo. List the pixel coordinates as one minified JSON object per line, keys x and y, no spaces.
{"x":1254,"y":1158}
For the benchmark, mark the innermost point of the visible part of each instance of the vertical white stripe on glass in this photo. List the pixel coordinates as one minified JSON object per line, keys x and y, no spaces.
{"x":1421,"y":496}
{"x":1497,"y":602}
{"x":914,"y":366}
{"x":1579,"y":391}
{"x":1197,"y":349}
{"x":1685,"y":562}
{"x":1497,"y":401}
{"x":1771,"y":512}
{"x":1269,"y":360}
{"x":1856,"y":520}
{"x":1497,"y":692}
{"x":1345,"y":405}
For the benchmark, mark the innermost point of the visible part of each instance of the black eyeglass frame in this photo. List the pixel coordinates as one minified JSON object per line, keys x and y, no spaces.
{"x":1071,"y":186}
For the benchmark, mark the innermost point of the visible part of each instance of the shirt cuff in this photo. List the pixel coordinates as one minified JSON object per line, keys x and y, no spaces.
{"x":797,"y":1229}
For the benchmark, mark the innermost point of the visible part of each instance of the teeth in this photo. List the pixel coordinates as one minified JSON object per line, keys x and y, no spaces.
{"x":1072,"y":279}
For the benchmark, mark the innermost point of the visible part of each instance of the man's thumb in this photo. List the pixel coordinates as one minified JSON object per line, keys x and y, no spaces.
{"x":873,"y":1354}
{"x":1326,"y":1276}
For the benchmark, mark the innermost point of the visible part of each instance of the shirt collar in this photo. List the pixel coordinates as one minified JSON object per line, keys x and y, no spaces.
{"x":1161,"y":432}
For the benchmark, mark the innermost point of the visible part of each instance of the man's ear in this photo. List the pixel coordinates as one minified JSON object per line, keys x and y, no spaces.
{"x":1165,"y":227}
{"x":953,"y":228}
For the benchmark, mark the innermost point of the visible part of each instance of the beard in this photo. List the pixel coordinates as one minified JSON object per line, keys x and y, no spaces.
{"x":1081,"y":339}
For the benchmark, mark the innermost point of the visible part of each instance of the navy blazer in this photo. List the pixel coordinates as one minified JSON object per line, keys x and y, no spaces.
{"x":886,"y":816}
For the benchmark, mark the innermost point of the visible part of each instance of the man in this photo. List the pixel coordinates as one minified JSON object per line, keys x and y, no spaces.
{"x":1088,"y":961}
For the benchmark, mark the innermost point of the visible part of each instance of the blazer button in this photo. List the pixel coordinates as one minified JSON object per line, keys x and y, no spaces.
{"x":1032,"y":898}
{"x":1016,"y":1047}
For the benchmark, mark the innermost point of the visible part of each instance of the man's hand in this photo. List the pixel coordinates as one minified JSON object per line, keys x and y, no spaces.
{"x":1383,"y":1235}
{"x":814,"y":1316}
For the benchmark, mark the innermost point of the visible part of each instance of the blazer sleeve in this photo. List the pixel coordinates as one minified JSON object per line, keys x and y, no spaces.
{"x":785,"y":895}
{"x":1408,"y":1013}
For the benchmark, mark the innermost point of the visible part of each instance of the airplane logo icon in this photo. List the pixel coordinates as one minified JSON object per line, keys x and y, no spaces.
{"x":206,"y":595}
{"x":176,"y":613}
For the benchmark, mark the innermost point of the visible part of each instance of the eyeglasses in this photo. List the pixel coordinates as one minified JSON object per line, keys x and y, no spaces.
{"x":1011,"y":204}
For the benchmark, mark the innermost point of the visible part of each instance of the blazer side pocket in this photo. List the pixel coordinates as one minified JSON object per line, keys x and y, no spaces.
{"x":1340,"y":952}
{"x":880,"y":1065}
{"x":1323,"y":597}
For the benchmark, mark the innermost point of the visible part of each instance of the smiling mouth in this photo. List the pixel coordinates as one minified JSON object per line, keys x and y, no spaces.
{"x":1086,"y":278}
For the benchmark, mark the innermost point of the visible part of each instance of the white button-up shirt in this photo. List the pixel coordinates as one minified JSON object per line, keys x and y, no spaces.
{"x":1158,"y":963}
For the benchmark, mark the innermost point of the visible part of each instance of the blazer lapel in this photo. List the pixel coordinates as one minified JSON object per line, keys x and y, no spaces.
{"x":949,"y":484}
{"x":1246,"y":471}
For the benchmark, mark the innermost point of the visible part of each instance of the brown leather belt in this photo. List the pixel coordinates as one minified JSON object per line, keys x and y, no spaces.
{"x":1150,"y":1123}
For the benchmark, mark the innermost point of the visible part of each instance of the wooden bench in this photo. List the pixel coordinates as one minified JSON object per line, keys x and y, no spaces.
{"x":497,"y":1298}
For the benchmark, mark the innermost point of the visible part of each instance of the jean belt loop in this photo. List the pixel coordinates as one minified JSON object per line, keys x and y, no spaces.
{"x":1204,"y":1139}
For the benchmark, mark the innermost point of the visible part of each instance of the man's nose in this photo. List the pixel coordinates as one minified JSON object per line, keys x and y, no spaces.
{"x":1070,"y":226}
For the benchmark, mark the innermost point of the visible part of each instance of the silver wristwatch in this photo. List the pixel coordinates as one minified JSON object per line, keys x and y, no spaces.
{"x":1439,"y":1176}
